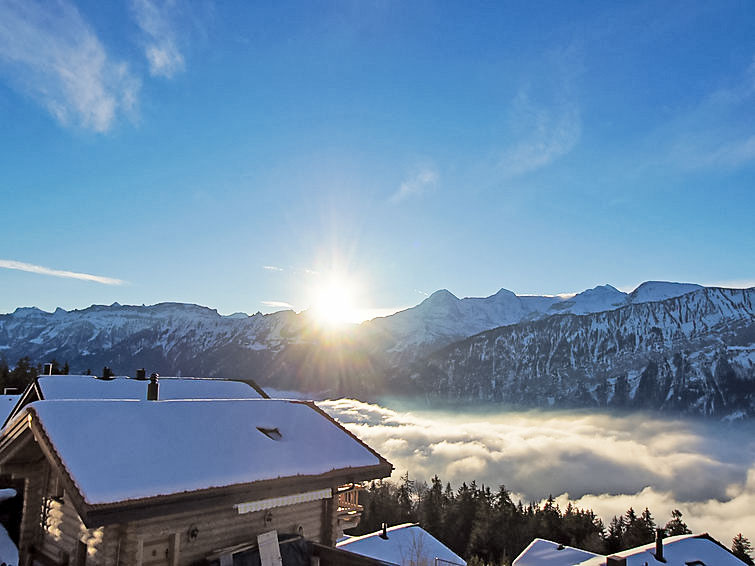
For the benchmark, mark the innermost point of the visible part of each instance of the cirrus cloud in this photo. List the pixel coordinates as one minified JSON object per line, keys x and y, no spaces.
{"x":49,"y":53}
{"x":31,"y":268}
{"x":155,"y":19}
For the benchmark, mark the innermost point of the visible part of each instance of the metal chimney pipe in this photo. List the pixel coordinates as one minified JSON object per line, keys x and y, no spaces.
{"x":384,"y":533}
{"x":48,"y":369}
{"x":141,"y":374}
{"x":659,"y":545}
{"x":153,"y":388}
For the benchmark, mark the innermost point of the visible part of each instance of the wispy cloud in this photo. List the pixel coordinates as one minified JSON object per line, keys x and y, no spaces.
{"x":31,"y":268}
{"x":545,"y":117}
{"x":156,"y":20}
{"x":50,"y":53}
{"x":272,"y":268}
{"x":277,"y":304}
{"x":554,"y":132}
{"x":422,"y":182}
{"x":717,"y":132}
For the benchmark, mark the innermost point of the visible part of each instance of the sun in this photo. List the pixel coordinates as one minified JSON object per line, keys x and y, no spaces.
{"x":333,"y":302}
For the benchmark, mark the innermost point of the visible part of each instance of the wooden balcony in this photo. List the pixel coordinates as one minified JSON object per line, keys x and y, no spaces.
{"x":349,"y":510}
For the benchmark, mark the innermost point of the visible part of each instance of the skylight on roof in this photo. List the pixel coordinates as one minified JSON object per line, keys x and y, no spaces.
{"x":271,"y":433}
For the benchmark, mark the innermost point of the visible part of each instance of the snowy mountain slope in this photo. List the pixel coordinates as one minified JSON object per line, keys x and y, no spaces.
{"x":443,"y":318}
{"x":692,"y":353}
{"x":600,"y":334}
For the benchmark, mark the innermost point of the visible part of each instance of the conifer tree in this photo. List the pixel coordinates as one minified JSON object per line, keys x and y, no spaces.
{"x":615,"y":538}
{"x":432,"y":509}
{"x":4,"y":373}
{"x":676,"y":526}
{"x":742,"y":549}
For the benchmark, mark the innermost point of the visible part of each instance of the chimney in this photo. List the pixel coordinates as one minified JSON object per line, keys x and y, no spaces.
{"x":153,"y":387}
{"x":141,"y":374}
{"x":384,"y":532}
{"x":48,"y":369}
{"x":107,"y":373}
{"x":659,"y":545}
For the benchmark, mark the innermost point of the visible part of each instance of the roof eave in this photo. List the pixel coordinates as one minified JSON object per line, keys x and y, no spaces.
{"x":96,"y":515}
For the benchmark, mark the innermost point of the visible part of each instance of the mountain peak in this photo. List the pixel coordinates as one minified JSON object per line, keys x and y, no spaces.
{"x":651,"y":291}
{"x":605,"y":289}
{"x":503,"y":292}
{"x":28,"y":311}
{"x":441,"y":296}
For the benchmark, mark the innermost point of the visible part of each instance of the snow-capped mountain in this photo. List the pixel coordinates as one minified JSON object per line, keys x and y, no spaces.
{"x":693,"y":353}
{"x":443,"y":318}
{"x":534,"y":350}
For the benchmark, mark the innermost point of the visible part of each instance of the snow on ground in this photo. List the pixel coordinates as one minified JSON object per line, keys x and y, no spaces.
{"x":406,"y":544}
{"x":8,"y":550}
{"x":7,"y":493}
{"x":162,"y":447}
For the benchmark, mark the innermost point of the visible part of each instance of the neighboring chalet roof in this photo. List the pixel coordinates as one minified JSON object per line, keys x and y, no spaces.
{"x":149,"y":455}
{"x":88,"y":387}
{"x":91,"y":387}
{"x":7,"y":403}
{"x":681,"y":550}
{"x":405,"y":544}
{"x":541,"y":552}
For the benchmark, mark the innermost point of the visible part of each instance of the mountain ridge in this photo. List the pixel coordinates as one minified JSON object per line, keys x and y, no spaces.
{"x":411,"y":351}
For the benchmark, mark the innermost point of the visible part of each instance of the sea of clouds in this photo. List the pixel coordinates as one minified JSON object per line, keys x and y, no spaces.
{"x":601,"y":461}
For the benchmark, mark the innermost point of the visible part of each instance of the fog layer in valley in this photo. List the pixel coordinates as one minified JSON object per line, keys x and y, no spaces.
{"x":605,"y":462}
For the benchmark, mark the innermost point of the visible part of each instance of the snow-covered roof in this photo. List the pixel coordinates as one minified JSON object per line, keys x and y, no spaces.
{"x":116,"y":451}
{"x":89,"y":387}
{"x":7,"y":402}
{"x":682,"y":550}
{"x":406,"y":544}
{"x":541,"y":552}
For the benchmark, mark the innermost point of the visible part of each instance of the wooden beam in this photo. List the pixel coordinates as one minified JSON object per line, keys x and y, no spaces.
{"x":98,"y":515}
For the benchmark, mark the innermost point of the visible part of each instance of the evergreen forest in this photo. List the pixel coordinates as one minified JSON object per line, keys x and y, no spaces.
{"x":488,"y":527}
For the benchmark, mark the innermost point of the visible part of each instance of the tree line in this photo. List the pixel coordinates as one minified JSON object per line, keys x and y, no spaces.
{"x":488,"y":527}
{"x":23,"y":373}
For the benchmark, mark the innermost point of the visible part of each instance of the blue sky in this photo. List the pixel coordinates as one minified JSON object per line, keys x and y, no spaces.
{"x":236,"y":155}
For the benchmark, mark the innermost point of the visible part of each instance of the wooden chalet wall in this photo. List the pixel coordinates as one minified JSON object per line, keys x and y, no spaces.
{"x":216,"y":528}
{"x":52,"y":531}
{"x":55,"y":532}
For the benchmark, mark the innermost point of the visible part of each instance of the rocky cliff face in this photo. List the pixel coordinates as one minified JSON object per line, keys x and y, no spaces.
{"x":688,"y":354}
{"x":680,"y":348}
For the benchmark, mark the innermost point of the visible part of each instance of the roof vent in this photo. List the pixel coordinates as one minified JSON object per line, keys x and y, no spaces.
{"x":384,"y":533}
{"x":107,"y":373}
{"x":48,"y":369}
{"x":271,"y":433}
{"x":141,"y":374}
{"x":153,"y":389}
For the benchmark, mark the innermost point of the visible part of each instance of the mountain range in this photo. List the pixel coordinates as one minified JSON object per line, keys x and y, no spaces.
{"x":675,"y":347}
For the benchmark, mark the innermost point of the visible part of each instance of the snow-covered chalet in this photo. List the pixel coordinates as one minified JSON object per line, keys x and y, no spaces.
{"x":176,"y":482}
{"x":680,"y":550}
